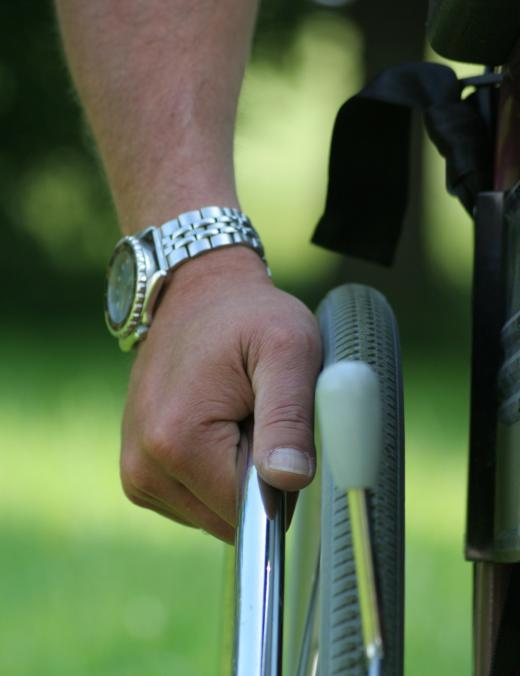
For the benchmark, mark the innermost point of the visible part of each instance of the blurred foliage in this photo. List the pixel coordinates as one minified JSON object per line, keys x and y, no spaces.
{"x":53,"y":200}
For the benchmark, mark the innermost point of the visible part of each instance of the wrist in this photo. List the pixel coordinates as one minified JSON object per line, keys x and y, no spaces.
{"x":143,"y":263}
{"x":231,"y":263}
{"x":211,"y":279}
{"x":139,"y":208}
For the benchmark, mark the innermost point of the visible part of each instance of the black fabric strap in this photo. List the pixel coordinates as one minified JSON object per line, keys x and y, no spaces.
{"x":369,"y":160}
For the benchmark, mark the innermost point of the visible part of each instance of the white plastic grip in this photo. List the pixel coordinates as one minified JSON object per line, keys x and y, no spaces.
{"x":348,"y":407}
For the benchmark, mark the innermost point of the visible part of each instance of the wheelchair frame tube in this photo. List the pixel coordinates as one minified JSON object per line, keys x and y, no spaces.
{"x":259,"y":574}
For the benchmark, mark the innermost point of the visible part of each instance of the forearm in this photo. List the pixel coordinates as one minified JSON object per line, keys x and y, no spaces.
{"x":159,"y":81}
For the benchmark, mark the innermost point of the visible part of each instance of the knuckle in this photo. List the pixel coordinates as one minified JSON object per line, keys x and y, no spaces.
{"x":135,"y":482}
{"x":280,"y":338}
{"x":309,"y":335}
{"x":300,"y":340}
{"x":136,"y":499}
{"x":168,"y":441}
{"x":156,"y":440}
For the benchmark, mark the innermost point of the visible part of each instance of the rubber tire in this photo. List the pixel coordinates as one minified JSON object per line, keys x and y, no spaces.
{"x":357,"y":323}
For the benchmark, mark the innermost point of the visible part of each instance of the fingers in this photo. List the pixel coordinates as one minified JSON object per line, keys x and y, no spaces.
{"x":181,"y":427}
{"x":284,"y":382}
{"x":148,"y":486}
{"x":192,"y":448}
{"x":182,"y":455}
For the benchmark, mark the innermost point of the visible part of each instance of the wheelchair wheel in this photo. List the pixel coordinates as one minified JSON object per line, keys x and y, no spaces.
{"x":357,"y":323}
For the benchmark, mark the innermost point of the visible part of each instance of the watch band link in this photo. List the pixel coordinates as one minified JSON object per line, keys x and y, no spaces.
{"x":195,"y":232}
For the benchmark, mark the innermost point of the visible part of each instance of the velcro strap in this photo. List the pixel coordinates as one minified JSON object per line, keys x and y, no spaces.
{"x":369,"y":159}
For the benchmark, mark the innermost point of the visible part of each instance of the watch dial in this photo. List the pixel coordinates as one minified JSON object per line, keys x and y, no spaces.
{"x":121,"y":286}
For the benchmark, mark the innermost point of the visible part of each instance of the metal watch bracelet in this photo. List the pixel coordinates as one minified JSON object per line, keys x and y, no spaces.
{"x":141,"y":263}
{"x":195,"y":232}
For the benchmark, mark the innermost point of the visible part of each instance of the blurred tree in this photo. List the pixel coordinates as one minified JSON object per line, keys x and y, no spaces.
{"x":41,"y":133}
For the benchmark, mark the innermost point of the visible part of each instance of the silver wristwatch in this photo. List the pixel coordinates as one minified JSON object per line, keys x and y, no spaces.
{"x":140,"y":264}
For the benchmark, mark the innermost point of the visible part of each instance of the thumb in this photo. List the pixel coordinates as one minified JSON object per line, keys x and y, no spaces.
{"x":283,"y":442}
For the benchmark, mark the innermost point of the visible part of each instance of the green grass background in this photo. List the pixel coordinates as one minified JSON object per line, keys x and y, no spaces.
{"x":92,"y":585}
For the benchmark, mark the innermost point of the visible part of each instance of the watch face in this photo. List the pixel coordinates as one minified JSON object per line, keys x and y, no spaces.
{"x":121,"y":285}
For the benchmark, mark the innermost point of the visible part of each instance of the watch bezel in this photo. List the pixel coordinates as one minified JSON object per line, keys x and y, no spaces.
{"x":133,"y":318}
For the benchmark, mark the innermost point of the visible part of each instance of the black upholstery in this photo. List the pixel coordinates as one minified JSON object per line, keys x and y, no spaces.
{"x":476,"y":31}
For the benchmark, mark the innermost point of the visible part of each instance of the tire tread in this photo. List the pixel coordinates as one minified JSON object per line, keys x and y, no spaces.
{"x":357,"y":323}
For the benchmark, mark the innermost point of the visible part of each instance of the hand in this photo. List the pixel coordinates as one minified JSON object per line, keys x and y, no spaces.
{"x":224,"y":344}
